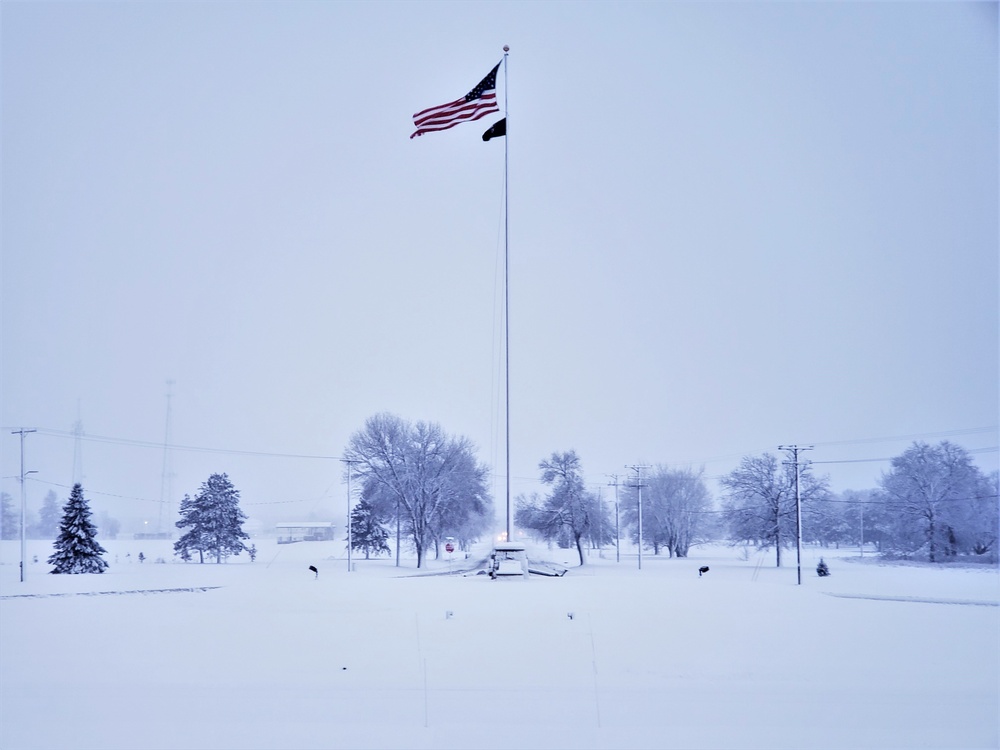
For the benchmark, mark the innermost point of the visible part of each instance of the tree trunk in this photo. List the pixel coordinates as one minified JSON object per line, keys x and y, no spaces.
{"x":930,"y":534}
{"x":579,"y":548}
{"x":777,"y":536}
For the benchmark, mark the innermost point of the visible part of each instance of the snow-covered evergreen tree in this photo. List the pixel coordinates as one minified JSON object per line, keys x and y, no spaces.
{"x":10,"y":520}
{"x":77,"y":549}
{"x":214,"y":521}
{"x":48,"y":517}
{"x":367,"y":532}
{"x":190,"y":541}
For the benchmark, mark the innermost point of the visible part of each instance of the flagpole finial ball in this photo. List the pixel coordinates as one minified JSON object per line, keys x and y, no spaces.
{"x":506,"y":48}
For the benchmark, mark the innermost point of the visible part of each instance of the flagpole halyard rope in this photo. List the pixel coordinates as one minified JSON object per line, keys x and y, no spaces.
{"x":506,"y":284}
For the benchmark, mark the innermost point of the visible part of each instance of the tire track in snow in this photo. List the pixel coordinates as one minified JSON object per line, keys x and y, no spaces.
{"x":191,"y":589}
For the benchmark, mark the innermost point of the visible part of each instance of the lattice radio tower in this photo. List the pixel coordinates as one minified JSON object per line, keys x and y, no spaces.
{"x":167,"y":477}
{"x":78,"y":446}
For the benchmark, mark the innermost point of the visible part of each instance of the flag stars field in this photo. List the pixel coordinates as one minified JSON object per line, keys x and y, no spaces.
{"x":478,"y":103}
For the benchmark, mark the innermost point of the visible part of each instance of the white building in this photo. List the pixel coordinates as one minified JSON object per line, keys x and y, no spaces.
{"x":305,"y":531}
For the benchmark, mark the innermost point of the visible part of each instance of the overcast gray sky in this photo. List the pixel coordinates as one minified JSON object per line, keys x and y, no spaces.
{"x":731,"y":226}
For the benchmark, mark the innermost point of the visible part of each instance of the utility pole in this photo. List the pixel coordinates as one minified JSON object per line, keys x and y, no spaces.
{"x":794,"y":450}
{"x":862,"y":507}
{"x":600,"y":522}
{"x":618,"y":547}
{"x":350,"y":541}
{"x":637,"y":468}
{"x":22,"y":432}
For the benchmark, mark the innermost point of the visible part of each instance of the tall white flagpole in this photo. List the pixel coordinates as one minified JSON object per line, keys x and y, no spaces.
{"x":506,"y":282}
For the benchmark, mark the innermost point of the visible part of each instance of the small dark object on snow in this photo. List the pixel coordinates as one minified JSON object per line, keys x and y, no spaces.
{"x":313,"y":569}
{"x":702,"y":569}
{"x":822,"y":570}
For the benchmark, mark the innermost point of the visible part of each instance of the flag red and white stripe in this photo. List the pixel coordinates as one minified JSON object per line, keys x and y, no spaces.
{"x":479,"y":102}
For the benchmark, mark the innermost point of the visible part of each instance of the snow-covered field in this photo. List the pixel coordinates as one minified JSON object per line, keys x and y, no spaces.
{"x":265,"y":655}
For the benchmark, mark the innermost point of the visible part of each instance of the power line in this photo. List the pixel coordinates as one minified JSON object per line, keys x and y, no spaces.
{"x":193,"y":448}
{"x":715,"y":459}
{"x":876,"y":501}
{"x":988,"y":449}
{"x":324,"y":496}
{"x":853,"y":441}
{"x":915,"y":436}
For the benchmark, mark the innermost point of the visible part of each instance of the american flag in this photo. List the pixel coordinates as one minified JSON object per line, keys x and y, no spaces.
{"x":477,"y":103}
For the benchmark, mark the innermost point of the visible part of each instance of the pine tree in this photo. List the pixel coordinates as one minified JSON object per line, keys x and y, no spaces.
{"x":10,"y":519}
{"x":48,"y":517}
{"x":214,"y":520}
{"x":77,"y":549}
{"x":191,"y":540}
{"x":367,"y":532}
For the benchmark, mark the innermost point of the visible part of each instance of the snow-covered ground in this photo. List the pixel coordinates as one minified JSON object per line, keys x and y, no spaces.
{"x":265,"y":655}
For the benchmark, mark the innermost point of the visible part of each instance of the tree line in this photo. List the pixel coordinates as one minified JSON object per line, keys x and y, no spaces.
{"x":422,"y":486}
{"x":44,"y":525}
{"x":673,"y":502}
{"x":933,"y":504}
{"x":416,"y":478}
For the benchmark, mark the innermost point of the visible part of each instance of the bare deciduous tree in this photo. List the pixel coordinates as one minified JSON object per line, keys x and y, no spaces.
{"x":932,"y":490}
{"x":429,"y":482}
{"x":673,"y":505}
{"x":759,"y":502}
{"x":568,"y":513}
